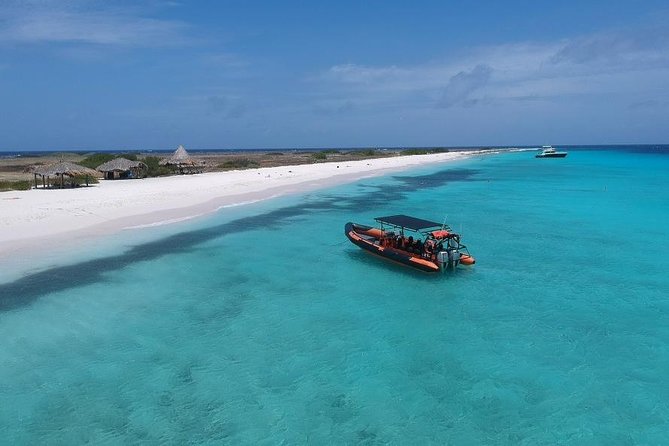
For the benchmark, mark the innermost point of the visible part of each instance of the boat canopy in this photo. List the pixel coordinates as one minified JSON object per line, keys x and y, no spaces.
{"x":406,"y":222}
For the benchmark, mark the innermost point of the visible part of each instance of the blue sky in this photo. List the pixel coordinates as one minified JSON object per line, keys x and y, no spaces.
{"x":152,"y":74}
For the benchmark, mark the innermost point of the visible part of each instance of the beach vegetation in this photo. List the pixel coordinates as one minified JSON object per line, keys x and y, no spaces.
{"x":424,"y":151}
{"x":94,"y":160}
{"x":83,"y":180}
{"x":71,"y":181}
{"x":366,"y":152}
{"x":239,"y":163}
{"x":154,"y":169}
{"x":319,"y":156}
{"x":129,"y":156}
{"x":6,"y":185}
{"x":80,"y":180}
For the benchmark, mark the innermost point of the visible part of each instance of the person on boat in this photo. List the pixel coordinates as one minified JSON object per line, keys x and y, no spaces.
{"x":409,"y":245}
{"x":418,"y":246}
{"x":429,"y":248}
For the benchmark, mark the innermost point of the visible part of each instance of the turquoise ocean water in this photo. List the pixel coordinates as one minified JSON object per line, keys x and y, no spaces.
{"x":264,"y":325}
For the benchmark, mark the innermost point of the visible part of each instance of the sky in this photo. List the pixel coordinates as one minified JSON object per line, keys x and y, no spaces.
{"x":153,"y":74}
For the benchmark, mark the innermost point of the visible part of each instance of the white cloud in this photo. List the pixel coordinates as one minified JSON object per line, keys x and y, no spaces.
{"x":461,"y":86}
{"x":77,"y":22}
{"x":588,"y":65}
{"x":648,"y":47}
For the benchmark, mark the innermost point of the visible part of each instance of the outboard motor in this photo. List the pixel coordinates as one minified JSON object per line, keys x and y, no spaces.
{"x":448,"y":258}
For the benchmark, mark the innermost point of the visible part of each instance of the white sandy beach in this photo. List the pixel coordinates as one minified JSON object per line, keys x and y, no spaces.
{"x":47,"y":218}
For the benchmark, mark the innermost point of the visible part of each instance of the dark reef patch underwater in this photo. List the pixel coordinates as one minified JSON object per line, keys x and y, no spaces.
{"x":30,"y":287}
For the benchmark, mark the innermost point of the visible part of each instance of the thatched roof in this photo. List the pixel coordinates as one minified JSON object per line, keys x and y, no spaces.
{"x":64,"y":168}
{"x":121,"y":165}
{"x":180,"y":157}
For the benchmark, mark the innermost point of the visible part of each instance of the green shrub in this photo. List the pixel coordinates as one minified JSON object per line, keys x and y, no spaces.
{"x":319,"y":156}
{"x":54,"y":182}
{"x":368,"y":152}
{"x":239,"y":163}
{"x":415,"y":152}
{"x":424,"y":151}
{"x":154,"y":167}
{"x":83,"y":180}
{"x":15,"y":185}
{"x":94,"y":160}
{"x":128,"y":155}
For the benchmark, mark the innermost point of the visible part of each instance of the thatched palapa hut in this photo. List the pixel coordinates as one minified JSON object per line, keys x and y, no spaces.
{"x":63,"y":169}
{"x":122,"y":168}
{"x":183,"y":162}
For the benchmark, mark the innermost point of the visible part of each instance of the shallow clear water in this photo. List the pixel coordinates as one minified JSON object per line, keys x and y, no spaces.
{"x":263,"y":325}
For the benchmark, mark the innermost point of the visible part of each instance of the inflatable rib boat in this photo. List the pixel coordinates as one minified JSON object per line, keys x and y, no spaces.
{"x":434,"y":248}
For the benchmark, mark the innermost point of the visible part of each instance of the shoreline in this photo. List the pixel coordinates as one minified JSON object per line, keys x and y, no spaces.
{"x":37,"y":220}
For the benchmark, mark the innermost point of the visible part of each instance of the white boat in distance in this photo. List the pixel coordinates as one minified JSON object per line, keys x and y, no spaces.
{"x":550,"y":152}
